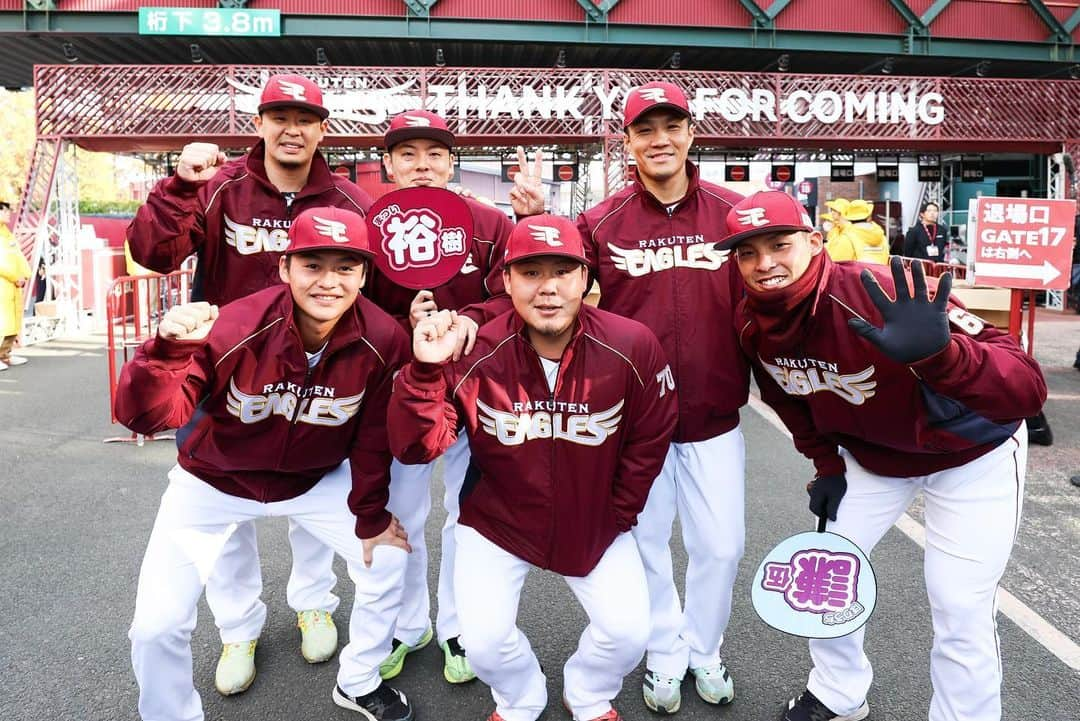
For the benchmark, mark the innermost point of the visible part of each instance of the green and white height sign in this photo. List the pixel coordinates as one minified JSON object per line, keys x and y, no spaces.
{"x":210,"y":21}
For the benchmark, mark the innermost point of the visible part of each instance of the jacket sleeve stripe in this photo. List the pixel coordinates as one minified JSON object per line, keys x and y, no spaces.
{"x":614,"y":211}
{"x":266,"y":327}
{"x":373,"y":350}
{"x":628,"y":361}
{"x":353,"y":201}
{"x":481,"y":360}
{"x":725,"y":201}
{"x":217,"y":192}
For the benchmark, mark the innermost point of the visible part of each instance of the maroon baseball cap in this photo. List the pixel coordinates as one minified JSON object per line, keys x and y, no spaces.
{"x":329,"y":229}
{"x":417,"y":124}
{"x":651,"y":96}
{"x":767,"y":211}
{"x":544,"y":234}
{"x":292,"y":91}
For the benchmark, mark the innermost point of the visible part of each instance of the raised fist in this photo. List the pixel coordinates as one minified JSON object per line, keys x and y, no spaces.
{"x":190,"y":321}
{"x":199,"y":162}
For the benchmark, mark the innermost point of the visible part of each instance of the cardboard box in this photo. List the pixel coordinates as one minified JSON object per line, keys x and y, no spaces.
{"x":990,"y":304}
{"x":46,"y":308}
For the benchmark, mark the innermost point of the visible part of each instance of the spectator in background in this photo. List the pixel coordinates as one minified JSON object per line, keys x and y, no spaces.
{"x":927,"y":238}
{"x":14,"y":273}
{"x":854,"y":235}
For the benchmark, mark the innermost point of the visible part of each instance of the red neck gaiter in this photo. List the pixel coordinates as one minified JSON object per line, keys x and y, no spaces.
{"x":780,"y":316}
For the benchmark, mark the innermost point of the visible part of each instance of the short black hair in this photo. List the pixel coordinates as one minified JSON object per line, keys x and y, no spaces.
{"x":927,"y":204}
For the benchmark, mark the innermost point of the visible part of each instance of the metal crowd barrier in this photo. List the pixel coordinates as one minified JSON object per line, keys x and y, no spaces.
{"x":134,"y":306}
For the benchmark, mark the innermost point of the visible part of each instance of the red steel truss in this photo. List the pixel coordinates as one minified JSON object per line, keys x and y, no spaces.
{"x":145,"y":107}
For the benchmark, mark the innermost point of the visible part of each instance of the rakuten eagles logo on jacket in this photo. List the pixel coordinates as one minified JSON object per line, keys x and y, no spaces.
{"x":317,"y":404}
{"x":558,"y":420}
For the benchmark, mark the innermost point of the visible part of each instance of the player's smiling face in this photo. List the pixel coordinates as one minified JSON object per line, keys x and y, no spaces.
{"x":547,"y":291}
{"x":324,"y":284}
{"x":419,"y":162}
{"x":291,"y":135}
{"x":659,"y":141}
{"x":776,"y":260}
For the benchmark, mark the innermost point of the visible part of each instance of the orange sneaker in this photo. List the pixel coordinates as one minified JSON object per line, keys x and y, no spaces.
{"x":495,"y":717}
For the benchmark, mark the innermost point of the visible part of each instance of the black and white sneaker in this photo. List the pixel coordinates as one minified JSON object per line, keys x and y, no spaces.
{"x":383,"y":704}
{"x":807,"y":708}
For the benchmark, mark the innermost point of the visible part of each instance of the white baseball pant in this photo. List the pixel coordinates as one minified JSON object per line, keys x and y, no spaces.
{"x":193,"y":524}
{"x":487,"y":583}
{"x":455,"y":466}
{"x":704,"y":483}
{"x":234,"y":588}
{"x":972,"y":517}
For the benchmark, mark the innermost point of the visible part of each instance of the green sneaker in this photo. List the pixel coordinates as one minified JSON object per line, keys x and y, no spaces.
{"x":456,"y":668}
{"x":395,"y":662}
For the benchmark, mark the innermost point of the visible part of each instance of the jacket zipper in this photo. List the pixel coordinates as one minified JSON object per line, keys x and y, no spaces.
{"x":552,"y":474}
{"x":296,"y":415}
{"x":675,"y":306}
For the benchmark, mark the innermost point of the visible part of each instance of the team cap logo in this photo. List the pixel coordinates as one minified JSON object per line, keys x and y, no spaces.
{"x":545,"y":235}
{"x":418,"y":124}
{"x":329,"y":229}
{"x":768,"y":211}
{"x":292,"y":91}
{"x":651,"y":96}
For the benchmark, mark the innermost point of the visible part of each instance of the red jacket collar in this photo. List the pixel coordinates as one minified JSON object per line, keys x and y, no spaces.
{"x":692,"y":186}
{"x":320,"y":179}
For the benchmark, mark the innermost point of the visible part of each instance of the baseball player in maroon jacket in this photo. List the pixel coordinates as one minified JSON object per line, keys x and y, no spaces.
{"x":419,"y":149}
{"x":235,"y":216}
{"x":890,"y":391}
{"x":650,"y":247}
{"x":281,"y":401}
{"x":569,"y":412}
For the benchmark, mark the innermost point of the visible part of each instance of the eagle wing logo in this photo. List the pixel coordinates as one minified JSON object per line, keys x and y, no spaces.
{"x":501,"y":424}
{"x":333,"y":229}
{"x":239,"y":403}
{"x":653,"y":95}
{"x":752,"y":216}
{"x":620,"y":257}
{"x":293,"y":90}
{"x":545,"y":234}
{"x":417,"y":121}
{"x":609,"y":419}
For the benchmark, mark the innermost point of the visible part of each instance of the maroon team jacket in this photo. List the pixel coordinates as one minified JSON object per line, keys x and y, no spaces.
{"x":837,"y":389}
{"x":659,"y":268}
{"x":479,"y":283}
{"x":557,"y":475}
{"x":255,"y":421}
{"x":237,"y":223}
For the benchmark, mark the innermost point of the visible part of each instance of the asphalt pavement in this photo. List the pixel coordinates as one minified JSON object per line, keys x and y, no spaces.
{"x":76,"y":515}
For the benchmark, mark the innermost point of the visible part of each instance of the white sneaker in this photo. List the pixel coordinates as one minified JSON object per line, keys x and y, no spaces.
{"x":3,"y":366}
{"x":714,"y":684}
{"x":235,"y":668}
{"x":318,"y":633}
{"x":663,"y":694}
{"x":17,"y":360}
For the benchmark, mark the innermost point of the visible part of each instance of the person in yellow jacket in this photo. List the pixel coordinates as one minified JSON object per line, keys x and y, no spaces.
{"x":14,"y":274}
{"x":854,"y":235}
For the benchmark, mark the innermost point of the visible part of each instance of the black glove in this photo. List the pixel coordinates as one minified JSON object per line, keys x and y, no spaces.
{"x":825,"y":495}
{"x":915,"y":327}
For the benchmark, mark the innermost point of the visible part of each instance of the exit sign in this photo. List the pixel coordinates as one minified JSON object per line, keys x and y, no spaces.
{"x":203,"y":21}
